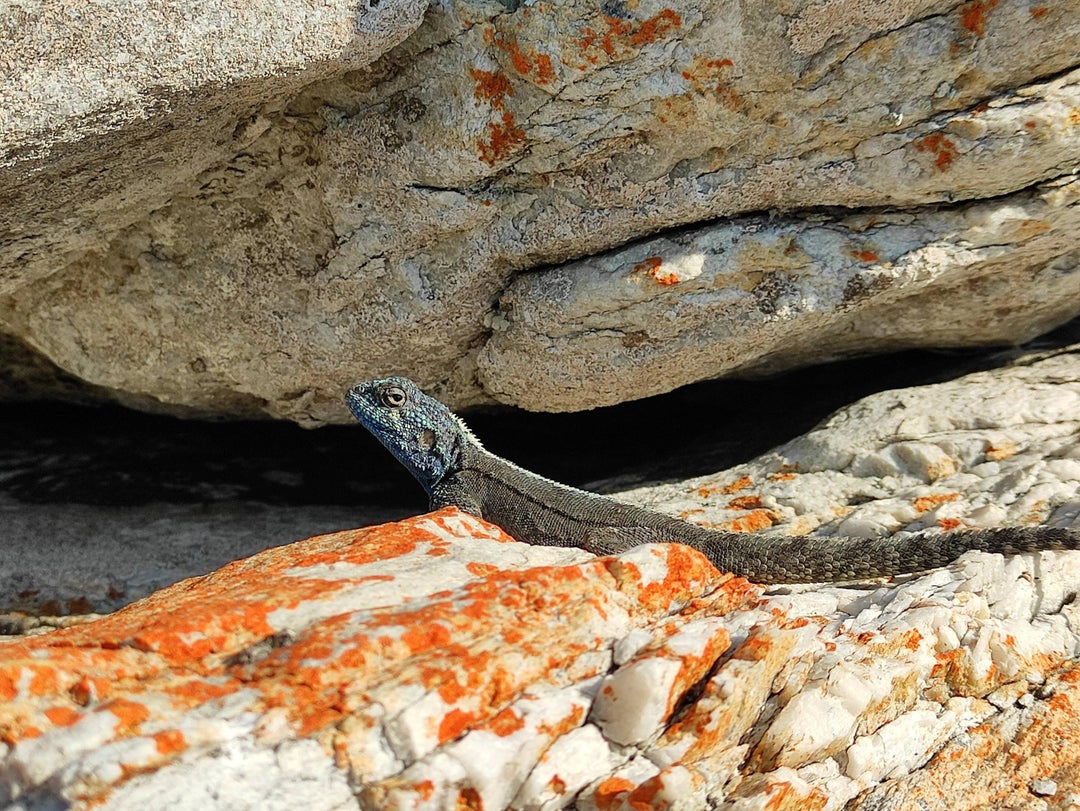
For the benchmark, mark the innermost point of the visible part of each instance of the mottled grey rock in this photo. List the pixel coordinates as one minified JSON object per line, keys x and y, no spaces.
{"x":760,"y":295}
{"x":995,"y":448}
{"x":263,"y":239}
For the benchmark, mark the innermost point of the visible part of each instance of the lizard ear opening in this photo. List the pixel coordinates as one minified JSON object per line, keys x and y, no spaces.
{"x":426,"y":439}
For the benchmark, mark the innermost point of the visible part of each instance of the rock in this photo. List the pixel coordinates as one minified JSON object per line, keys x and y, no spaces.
{"x":755,"y":295}
{"x":991,"y":448}
{"x":434,"y":663}
{"x":265,"y":224}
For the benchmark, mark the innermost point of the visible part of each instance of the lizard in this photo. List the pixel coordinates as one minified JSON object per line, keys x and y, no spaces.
{"x":454,"y":468}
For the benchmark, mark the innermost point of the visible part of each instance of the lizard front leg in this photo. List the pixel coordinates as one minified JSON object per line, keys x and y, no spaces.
{"x":454,"y":494}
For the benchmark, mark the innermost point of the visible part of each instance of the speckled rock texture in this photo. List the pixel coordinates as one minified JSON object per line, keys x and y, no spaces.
{"x":434,"y":663}
{"x":256,"y":217}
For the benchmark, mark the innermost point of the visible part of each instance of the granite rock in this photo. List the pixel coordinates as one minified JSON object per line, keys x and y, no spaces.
{"x":279,"y":221}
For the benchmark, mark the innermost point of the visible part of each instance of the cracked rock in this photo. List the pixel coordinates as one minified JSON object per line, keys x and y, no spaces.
{"x":285,"y":200}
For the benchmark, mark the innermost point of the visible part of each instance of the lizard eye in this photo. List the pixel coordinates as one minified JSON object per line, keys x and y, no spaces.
{"x":393,"y":397}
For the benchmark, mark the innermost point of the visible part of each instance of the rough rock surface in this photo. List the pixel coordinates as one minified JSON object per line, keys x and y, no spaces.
{"x":301,"y":234}
{"x":434,"y":663}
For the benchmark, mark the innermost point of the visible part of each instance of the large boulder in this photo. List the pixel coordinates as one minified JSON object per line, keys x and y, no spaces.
{"x":259,"y":217}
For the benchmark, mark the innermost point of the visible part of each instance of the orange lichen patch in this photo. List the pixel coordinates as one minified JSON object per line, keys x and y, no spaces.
{"x":62,"y":716}
{"x":693,"y":668}
{"x":864,"y":255}
{"x":622,"y":39}
{"x":1038,"y":12}
{"x":572,"y":720}
{"x":718,"y":719}
{"x":924,"y":503}
{"x":454,"y":723}
{"x":505,"y":723}
{"x":973,"y":15}
{"x":724,"y":489}
{"x":229,"y":608}
{"x":651,"y":267}
{"x":782,"y":477}
{"x":532,"y":64}
{"x":491,"y":87}
{"x":130,"y":713}
{"x":999,"y":761}
{"x":910,"y":640}
{"x":503,"y":136}
{"x":169,"y":742}
{"x":782,"y":796}
{"x":481,"y":569}
{"x":943,"y":149}
{"x":421,"y":637}
{"x":745,"y":503}
{"x":752,"y":522}
{"x":949,"y":523}
{"x":687,"y":573}
{"x":609,"y":794}
{"x":193,"y":692}
{"x":656,"y":27}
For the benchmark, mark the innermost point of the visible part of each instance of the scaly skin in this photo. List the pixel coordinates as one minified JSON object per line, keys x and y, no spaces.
{"x":455,"y":470}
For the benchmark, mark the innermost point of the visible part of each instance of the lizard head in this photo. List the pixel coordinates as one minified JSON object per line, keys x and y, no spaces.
{"x":422,"y":433}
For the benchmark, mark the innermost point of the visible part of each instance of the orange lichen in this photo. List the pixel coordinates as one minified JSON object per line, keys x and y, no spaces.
{"x":130,"y":713}
{"x":1038,"y":12}
{"x":454,"y":723}
{"x":425,"y":788}
{"x":608,"y":795}
{"x":651,"y":267}
{"x":170,"y":742}
{"x":924,"y":503}
{"x":481,"y":569}
{"x":943,"y":149}
{"x":62,"y":716}
{"x":973,"y":15}
{"x":949,"y":523}
{"x":864,"y":255}
{"x":655,"y":28}
{"x":491,"y":87}
{"x":745,"y":503}
{"x":571,"y":720}
{"x":724,"y":489}
{"x":752,"y":522}
{"x":506,"y":723}
{"x":502,"y":138}
{"x":532,"y":63}
{"x":623,"y":38}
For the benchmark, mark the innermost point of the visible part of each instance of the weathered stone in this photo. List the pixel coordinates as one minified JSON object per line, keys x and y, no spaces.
{"x":433,"y":662}
{"x":317,"y":234}
{"x":991,"y":448}
{"x":759,"y":295}
{"x":326,"y":669}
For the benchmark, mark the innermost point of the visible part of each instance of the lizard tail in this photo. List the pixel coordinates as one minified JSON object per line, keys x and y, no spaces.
{"x":809,"y":559}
